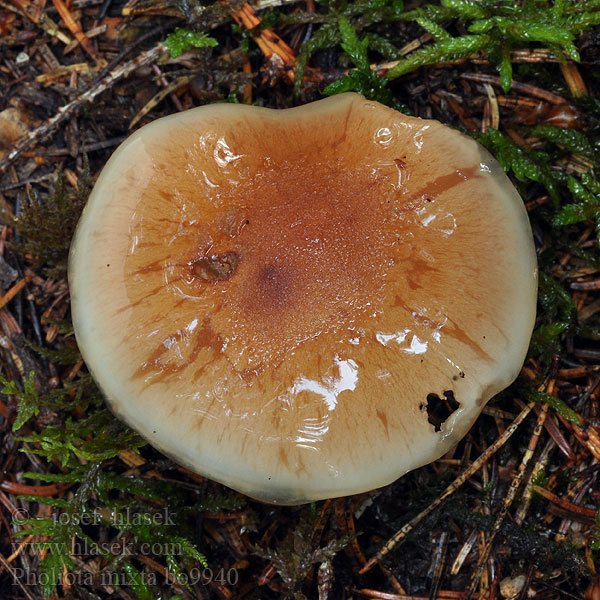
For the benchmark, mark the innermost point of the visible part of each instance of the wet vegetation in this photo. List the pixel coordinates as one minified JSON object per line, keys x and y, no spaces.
{"x":88,"y":510}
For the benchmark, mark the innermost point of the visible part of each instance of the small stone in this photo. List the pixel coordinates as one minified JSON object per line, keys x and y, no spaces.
{"x":22,"y":58}
{"x":511,"y":587}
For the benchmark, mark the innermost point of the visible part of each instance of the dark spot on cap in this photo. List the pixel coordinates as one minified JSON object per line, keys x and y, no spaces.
{"x":217,"y":267}
{"x":274,"y":285}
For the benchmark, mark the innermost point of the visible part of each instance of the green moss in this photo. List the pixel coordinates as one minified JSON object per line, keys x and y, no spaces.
{"x":494,"y":27}
{"x":183,"y":39}
{"x":104,"y":504}
{"x":362,"y":79}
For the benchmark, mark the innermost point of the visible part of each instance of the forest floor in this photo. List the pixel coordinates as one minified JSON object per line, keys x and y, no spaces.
{"x":89,"y":510}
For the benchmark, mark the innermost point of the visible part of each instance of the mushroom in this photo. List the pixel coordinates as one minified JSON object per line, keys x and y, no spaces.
{"x":302,"y":303}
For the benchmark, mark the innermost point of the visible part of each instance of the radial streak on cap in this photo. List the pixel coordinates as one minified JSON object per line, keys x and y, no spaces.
{"x":284,"y":300}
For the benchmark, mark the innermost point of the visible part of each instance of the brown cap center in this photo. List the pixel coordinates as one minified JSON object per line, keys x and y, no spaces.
{"x":295,"y":252}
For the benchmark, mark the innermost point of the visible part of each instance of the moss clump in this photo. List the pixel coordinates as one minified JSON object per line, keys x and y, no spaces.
{"x":45,"y":228}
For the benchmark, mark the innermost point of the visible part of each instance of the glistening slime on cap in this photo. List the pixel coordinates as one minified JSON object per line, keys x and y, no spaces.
{"x":303,"y":303}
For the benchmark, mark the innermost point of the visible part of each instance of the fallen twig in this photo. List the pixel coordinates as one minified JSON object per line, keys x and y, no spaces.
{"x":64,"y":112}
{"x":462,"y":478}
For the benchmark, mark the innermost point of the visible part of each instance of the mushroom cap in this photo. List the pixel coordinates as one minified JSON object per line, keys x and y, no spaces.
{"x":279,"y":299}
